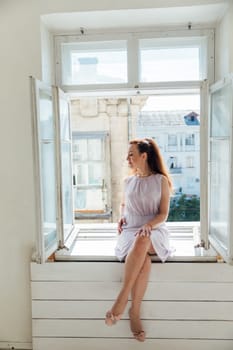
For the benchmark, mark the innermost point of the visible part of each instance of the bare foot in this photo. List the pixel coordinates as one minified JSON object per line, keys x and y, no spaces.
{"x":111,"y":319}
{"x":136,"y":326}
{"x":114,"y":315}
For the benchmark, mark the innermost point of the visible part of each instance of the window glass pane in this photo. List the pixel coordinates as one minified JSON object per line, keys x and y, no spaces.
{"x":48,"y":193}
{"x":166,"y":62}
{"x":189,"y":140}
{"x":89,"y":199}
{"x":219,"y":190}
{"x":64,"y":120}
{"x":172,"y":140}
{"x":80,"y":150}
{"x":190,"y":162}
{"x":95,"y":173}
{"x":46,"y":115}
{"x":94,"y":62}
{"x":95,"y":149}
{"x":81,"y":173}
{"x":66,"y":188}
{"x":89,"y":174}
{"x":220,"y":162}
{"x":221,"y":113}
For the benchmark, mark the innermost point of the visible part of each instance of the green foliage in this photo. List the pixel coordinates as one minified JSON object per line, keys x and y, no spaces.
{"x":184,"y":209}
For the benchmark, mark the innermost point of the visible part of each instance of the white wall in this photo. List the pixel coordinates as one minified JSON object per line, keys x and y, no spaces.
{"x":224,"y":45}
{"x":20,"y":57}
{"x":47,"y":55}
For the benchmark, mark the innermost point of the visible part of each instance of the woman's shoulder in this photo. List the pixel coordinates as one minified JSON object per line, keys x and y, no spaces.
{"x":128,"y":178}
{"x":160,"y":178}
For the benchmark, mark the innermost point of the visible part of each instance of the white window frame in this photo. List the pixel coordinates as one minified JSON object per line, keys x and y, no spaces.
{"x":58,"y":40}
{"x":42,"y":255}
{"x":171,"y":88}
{"x":134,"y":87}
{"x":62,"y":240}
{"x":206,"y":41}
{"x":204,"y":38}
{"x":227,"y":254}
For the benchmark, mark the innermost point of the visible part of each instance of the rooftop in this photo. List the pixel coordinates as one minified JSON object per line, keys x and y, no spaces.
{"x":168,"y":118}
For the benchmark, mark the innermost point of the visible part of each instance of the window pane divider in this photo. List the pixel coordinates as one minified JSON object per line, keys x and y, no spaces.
{"x":204,"y":161}
{"x":133,"y":62}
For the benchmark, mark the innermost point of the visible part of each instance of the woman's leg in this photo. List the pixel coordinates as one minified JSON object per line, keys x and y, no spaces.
{"x":133,"y":265}
{"x":137,"y":294}
{"x":140,"y":286}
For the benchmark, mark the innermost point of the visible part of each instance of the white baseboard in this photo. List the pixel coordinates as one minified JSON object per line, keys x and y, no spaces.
{"x":4,"y":345}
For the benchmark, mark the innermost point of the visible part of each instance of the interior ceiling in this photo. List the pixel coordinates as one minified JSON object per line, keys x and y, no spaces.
{"x":134,"y":18}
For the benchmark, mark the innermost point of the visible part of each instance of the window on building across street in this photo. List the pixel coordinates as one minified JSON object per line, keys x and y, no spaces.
{"x":190,"y":140}
{"x":90,"y":175}
{"x":190,"y":162}
{"x":172,"y":142}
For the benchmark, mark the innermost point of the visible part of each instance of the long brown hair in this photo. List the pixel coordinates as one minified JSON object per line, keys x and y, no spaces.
{"x":154,"y":157}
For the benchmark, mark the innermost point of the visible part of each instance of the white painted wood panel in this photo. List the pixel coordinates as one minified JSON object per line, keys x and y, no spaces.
{"x":112,"y":271}
{"x":179,"y":310}
{"x":155,"y":291}
{"x":129,"y":344}
{"x":154,"y":329}
{"x":186,"y":306}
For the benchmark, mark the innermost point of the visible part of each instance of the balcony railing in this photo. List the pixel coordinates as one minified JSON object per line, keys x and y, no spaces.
{"x":175,"y":170}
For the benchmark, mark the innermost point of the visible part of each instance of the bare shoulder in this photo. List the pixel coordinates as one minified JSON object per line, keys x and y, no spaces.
{"x":164,"y":180}
{"x":164,"y":184}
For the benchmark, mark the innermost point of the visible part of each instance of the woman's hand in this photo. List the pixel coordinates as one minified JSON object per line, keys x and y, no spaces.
{"x":121,"y":222}
{"x":145,"y":230}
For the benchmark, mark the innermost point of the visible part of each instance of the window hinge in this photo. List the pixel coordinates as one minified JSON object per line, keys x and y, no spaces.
{"x":61,"y":250}
{"x":201,"y":244}
{"x":62,"y":246}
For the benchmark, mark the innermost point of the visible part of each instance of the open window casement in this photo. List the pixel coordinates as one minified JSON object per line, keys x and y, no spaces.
{"x":220,"y":168}
{"x":53,"y":170}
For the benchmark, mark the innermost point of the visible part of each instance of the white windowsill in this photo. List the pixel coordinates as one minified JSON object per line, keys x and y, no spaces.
{"x":96,"y":242}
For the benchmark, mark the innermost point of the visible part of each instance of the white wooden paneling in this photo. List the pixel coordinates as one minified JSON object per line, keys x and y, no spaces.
{"x":186,"y":306}
{"x":155,"y":291}
{"x":158,"y":310}
{"x":154,"y":329}
{"x":112,"y":271}
{"x":129,"y":344}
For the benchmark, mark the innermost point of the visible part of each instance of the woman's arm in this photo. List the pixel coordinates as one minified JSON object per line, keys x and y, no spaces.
{"x":164,"y":205}
{"x":121,"y":221}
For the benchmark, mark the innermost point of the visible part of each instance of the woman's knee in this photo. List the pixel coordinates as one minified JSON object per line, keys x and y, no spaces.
{"x":142,"y":244}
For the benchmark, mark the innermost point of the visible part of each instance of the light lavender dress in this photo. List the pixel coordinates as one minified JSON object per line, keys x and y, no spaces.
{"x":142,"y":200}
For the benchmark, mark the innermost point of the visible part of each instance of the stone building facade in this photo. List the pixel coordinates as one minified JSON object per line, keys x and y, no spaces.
{"x":116,"y":118}
{"x":119,"y":119}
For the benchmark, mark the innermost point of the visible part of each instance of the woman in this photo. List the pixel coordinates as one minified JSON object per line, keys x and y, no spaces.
{"x":141,"y":228}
